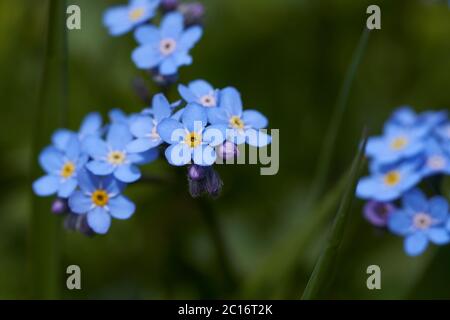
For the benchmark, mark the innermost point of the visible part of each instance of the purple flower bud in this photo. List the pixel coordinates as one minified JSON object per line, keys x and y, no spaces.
{"x":59,"y":206}
{"x":196,"y":173}
{"x":228,"y":150}
{"x":204,"y":180}
{"x":169,"y":5}
{"x":377,"y":213}
{"x":193,"y":13}
{"x":76,"y":222}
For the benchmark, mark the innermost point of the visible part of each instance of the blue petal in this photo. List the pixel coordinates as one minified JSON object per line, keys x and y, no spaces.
{"x":171,"y":131}
{"x":214,"y":135}
{"x":99,"y":220}
{"x":112,"y":186}
{"x":73,"y":148}
{"x":230,"y":99}
{"x":95,"y":147}
{"x":416,"y":244}
{"x":141,"y":145}
{"x":119,"y":136}
{"x":182,"y":58}
{"x":117,"y":115}
{"x":51,"y":160}
{"x":194,"y":117}
{"x":87,"y":182}
{"x":218,"y":116}
{"x":178,"y":154}
{"x":46,"y":186}
{"x":144,"y":157}
{"x":80,"y":202}
{"x":254,"y":119}
{"x":168,"y":66}
{"x":101,"y":168}
{"x":415,"y":200}
{"x":236,"y":136}
{"x":190,"y":37}
{"x":399,"y":223}
{"x":127,"y":173}
{"x":67,"y":188}
{"x":257,"y":138}
{"x":121,"y":207}
{"x":438,"y":208}
{"x":200,"y":88}
{"x":147,"y":35}
{"x":438,"y":236}
{"x":204,"y":155}
{"x":91,"y":125}
{"x":172,"y":25}
{"x":141,"y":126}
{"x":117,"y":20}
{"x":187,"y":94}
{"x":146,"y":57}
{"x":161,"y":107}
{"x":61,"y":137}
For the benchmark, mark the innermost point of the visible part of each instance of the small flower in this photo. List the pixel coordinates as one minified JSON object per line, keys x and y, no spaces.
{"x":437,"y":161}
{"x":91,"y":126}
{"x":191,"y":139}
{"x":62,"y":168}
{"x":243,"y":125}
{"x":377,"y":213}
{"x":200,"y":92}
{"x":122,"y":19}
{"x":111,"y":156}
{"x":389,"y":183}
{"x":100,"y":198}
{"x":144,"y":127}
{"x":420,"y":221}
{"x":396,"y":144}
{"x":166,"y":48}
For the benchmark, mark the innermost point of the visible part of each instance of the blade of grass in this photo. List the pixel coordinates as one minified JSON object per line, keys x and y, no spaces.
{"x":50,"y":114}
{"x":323,"y":167}
{"x":326,"y":263}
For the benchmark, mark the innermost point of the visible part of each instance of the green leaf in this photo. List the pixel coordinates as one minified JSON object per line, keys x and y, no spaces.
{"x":326,"y":263}
{"x":49,"y":115}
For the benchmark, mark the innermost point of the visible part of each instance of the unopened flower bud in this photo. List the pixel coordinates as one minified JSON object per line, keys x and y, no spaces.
{"x":169,"y":5}
{"x":196,"y":173}
{"x":377,"y":213}
{"x":193,"y":13}
{"x":59,"y":206}
{"x":228,"y":150}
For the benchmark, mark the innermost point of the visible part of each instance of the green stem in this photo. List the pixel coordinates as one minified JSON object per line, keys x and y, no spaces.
{"x":327,"y":261}
{"x":50,"y":114}
{"x":326,"y":154}
{"x":216,"y":233}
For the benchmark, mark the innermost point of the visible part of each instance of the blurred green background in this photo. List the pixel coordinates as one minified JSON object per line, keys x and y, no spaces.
{"x":288,"y":58}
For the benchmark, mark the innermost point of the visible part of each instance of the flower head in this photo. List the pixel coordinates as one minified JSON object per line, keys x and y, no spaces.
{"x":100,"y":198}
{"x":436,"y":161}
{"x":243,"y":126}
{"x":165,"y":48}
{"x":122,"y":19}
{"x":377,"y":213}
{"x":62,"y":168}
{"x":190,"y":139}
{"x":420,"y":221}
{"x":200,"y":92}
{"x":111,"y":156}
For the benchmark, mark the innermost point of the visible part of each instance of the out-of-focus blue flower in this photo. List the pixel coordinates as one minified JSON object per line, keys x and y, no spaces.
{"x":377,"y":213}
{"x":118,"y":116}
{"x":91,"y":126}
{"x":166,"y":48}
{"x":396,"y":144}
{"x":406,"y":117}
{"x":420,"y":221}
{"x":122,"y":19}
{"x":111,"y":156}
{"x":389,"y":183}
{"x":190,"y":139}
{"x":62,"y":168}
{"x":144,"y":127}
{"x":437,"y":161}
{"x":243,"y":126}
{"x":200,"y":92}
{"x":100,"y":198}
{"x":443,"y":133}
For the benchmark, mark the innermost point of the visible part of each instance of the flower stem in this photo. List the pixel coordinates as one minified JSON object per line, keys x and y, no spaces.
{"x":216,"y":233}
{"x":326,"y":154}
{"x":45,"y":242}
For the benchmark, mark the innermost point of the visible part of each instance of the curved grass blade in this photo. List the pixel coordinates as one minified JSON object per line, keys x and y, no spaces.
{"x":327,"y":260}
{"x":49,"y":115}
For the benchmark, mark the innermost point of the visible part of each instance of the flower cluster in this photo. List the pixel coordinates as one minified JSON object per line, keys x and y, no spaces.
{"x":88,"y":170}
{"x":412,"y":153}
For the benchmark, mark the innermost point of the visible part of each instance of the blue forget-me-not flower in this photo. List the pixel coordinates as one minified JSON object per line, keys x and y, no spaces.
{"x":201,"y":92}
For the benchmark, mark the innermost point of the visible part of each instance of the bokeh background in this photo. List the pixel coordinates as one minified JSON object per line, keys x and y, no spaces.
{"x":288,"y":58}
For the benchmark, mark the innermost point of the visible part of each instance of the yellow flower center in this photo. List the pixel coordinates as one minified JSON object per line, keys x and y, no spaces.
{"x":136,"y":14}
{"x":236,"y":122}
{"x":100,"y":198}
{"x":422,"y":221}
{"x":67,"y":170}
{"x":116,"y":157}
{"x":392,"y":178}
{"x":193,"y":139}
{"x":399,"y":143}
